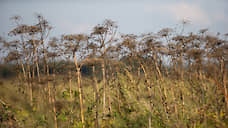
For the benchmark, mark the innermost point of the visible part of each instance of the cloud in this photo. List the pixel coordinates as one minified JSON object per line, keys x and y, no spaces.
{"x":190,"y":12}
{"x":67,"y":26}
{"x":219,"y":16}
{"x":180,"y":11}
{"x":83,"y":28}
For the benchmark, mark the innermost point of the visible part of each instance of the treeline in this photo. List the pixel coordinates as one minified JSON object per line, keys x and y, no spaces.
{"x":10,"y":71}
{"x":150,"y":59}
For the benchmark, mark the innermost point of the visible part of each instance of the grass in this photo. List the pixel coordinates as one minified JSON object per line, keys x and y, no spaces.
{"x":186,"y":103}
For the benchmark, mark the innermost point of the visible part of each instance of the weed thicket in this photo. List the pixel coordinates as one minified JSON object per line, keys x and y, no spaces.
{"x":106,"y":80}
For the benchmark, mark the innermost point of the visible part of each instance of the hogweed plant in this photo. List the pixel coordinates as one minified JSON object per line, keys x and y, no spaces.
{"x":105,"y":79}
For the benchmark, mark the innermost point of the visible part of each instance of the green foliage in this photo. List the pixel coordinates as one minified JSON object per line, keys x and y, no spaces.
{"x":62,"y":117}
{"x":41,"y":121}
{"x":77,"y":125}
{"x":22,"y":115}
{"x":66,"y":94}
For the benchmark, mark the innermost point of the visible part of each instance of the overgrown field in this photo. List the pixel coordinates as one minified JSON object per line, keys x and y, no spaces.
{"x":172,"y":103}
{"x":168,"y":79}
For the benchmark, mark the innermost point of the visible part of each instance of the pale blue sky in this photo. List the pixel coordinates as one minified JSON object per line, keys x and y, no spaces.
{"x":132,"y":16}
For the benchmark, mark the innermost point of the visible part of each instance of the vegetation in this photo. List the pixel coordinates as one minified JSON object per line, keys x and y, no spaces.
{"x":109,"y":80}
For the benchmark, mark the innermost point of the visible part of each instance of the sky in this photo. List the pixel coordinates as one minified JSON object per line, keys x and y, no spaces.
{"x":132,"y":16}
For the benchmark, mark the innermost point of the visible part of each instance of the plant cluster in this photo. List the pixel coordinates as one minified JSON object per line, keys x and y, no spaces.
{"x":106,"y":79}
